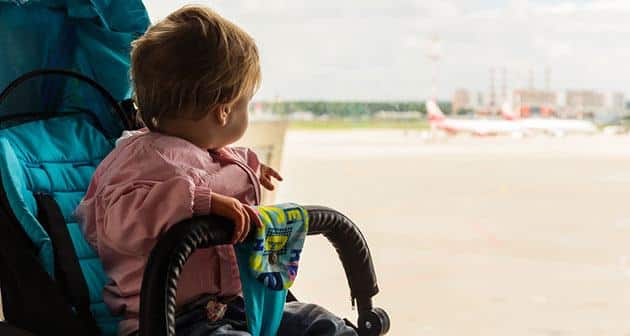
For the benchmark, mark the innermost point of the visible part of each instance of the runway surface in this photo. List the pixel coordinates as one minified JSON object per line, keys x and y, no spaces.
{"x":474,"y":236}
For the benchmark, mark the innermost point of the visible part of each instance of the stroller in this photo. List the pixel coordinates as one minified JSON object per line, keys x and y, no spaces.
{"x":56,"y":125}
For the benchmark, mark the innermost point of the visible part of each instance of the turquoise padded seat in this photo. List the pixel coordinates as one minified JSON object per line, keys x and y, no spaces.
{"x":58,"y":157}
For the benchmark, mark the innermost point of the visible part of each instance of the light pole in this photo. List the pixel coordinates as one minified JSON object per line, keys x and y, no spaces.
{"x":434,"y":54}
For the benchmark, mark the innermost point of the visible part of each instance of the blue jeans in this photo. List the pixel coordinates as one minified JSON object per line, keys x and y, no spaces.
{"x":298,"y":319}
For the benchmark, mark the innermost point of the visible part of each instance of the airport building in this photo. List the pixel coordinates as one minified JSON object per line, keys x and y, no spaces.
{"x":535,"y":101}
{"x":461,"y":100}
{"x":583,"y":103}
{"x":585,"y":99}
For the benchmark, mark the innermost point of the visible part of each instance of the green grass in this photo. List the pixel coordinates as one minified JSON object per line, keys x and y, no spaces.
{"x":339,"y":124}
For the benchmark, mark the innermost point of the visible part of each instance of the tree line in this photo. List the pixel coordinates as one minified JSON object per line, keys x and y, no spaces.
{"x":348,"y":109}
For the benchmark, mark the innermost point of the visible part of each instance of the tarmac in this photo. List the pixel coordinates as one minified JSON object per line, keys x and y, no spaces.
{"x":473,"y":236}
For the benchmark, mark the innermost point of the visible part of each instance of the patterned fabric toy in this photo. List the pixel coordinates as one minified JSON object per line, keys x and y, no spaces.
{"x":278,"y":245}
{"x":269,"y":265}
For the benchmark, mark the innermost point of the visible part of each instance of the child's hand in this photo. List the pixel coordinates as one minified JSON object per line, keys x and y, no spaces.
{"x":233,"y":209}
{"x":253,"y":215}
{"x":266,"y":173}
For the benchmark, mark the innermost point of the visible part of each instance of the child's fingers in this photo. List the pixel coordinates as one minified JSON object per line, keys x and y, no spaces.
{"x":239,"y":220}
{"x":274,"y":173}
{"x":253,"y":216}
{"x":246,"y":226}
{"x":266,"y":182}
{"x":269,"y":186}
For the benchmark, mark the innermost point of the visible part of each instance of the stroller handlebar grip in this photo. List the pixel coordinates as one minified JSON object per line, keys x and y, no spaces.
{"x":352,"y":249}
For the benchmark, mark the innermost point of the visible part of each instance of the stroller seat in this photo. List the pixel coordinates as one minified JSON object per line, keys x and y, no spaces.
{"x":55,"y":158}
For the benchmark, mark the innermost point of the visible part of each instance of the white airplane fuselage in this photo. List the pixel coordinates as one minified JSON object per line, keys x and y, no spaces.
{"x":481,"y":127}
{"x":477,"y":127}
{"x":550,"y":126}
{"x":557,"y":126}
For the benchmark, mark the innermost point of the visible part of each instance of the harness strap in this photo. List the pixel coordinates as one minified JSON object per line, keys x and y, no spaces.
{"x":68,"y":274}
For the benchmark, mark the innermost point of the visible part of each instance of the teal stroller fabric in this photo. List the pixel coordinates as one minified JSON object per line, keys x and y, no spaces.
{"x":57,"y":156}
{"x":60,"y":162}
{"x":91,"y":37}
{"x":268,"y":266}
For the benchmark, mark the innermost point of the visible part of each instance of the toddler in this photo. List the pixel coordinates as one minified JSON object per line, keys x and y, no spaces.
{"x":194,"y":74}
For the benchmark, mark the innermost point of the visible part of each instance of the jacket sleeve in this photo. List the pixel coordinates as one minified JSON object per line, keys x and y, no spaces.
{"x":249,"y":157}
{"x":137,"y":215}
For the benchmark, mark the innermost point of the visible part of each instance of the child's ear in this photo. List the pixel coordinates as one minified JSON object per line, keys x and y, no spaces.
{"x":222,"y":113}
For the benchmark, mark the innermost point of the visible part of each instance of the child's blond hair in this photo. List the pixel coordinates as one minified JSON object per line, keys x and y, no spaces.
{"x":189,"y":63}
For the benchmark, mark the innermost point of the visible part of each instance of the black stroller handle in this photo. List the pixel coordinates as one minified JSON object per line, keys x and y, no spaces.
{"x":69,"y":73}
{"x":352,"y":249}
{"x":159,"y":284}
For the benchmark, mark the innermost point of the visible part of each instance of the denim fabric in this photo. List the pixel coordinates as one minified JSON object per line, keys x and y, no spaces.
{"x":304,"y":319}
{"x":298,"y":319}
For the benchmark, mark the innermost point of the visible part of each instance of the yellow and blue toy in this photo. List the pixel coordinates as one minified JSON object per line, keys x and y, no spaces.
{"x":269,"y":264}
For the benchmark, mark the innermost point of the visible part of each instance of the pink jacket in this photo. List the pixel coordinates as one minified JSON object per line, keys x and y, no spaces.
{"x":149,"y":182}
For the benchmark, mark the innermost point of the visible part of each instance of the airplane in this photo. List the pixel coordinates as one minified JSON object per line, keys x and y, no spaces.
{"x":479,"y":127}
{"x":554,"y":126}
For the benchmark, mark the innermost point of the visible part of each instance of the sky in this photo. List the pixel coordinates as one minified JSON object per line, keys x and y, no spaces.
{"x":378,"y":49}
